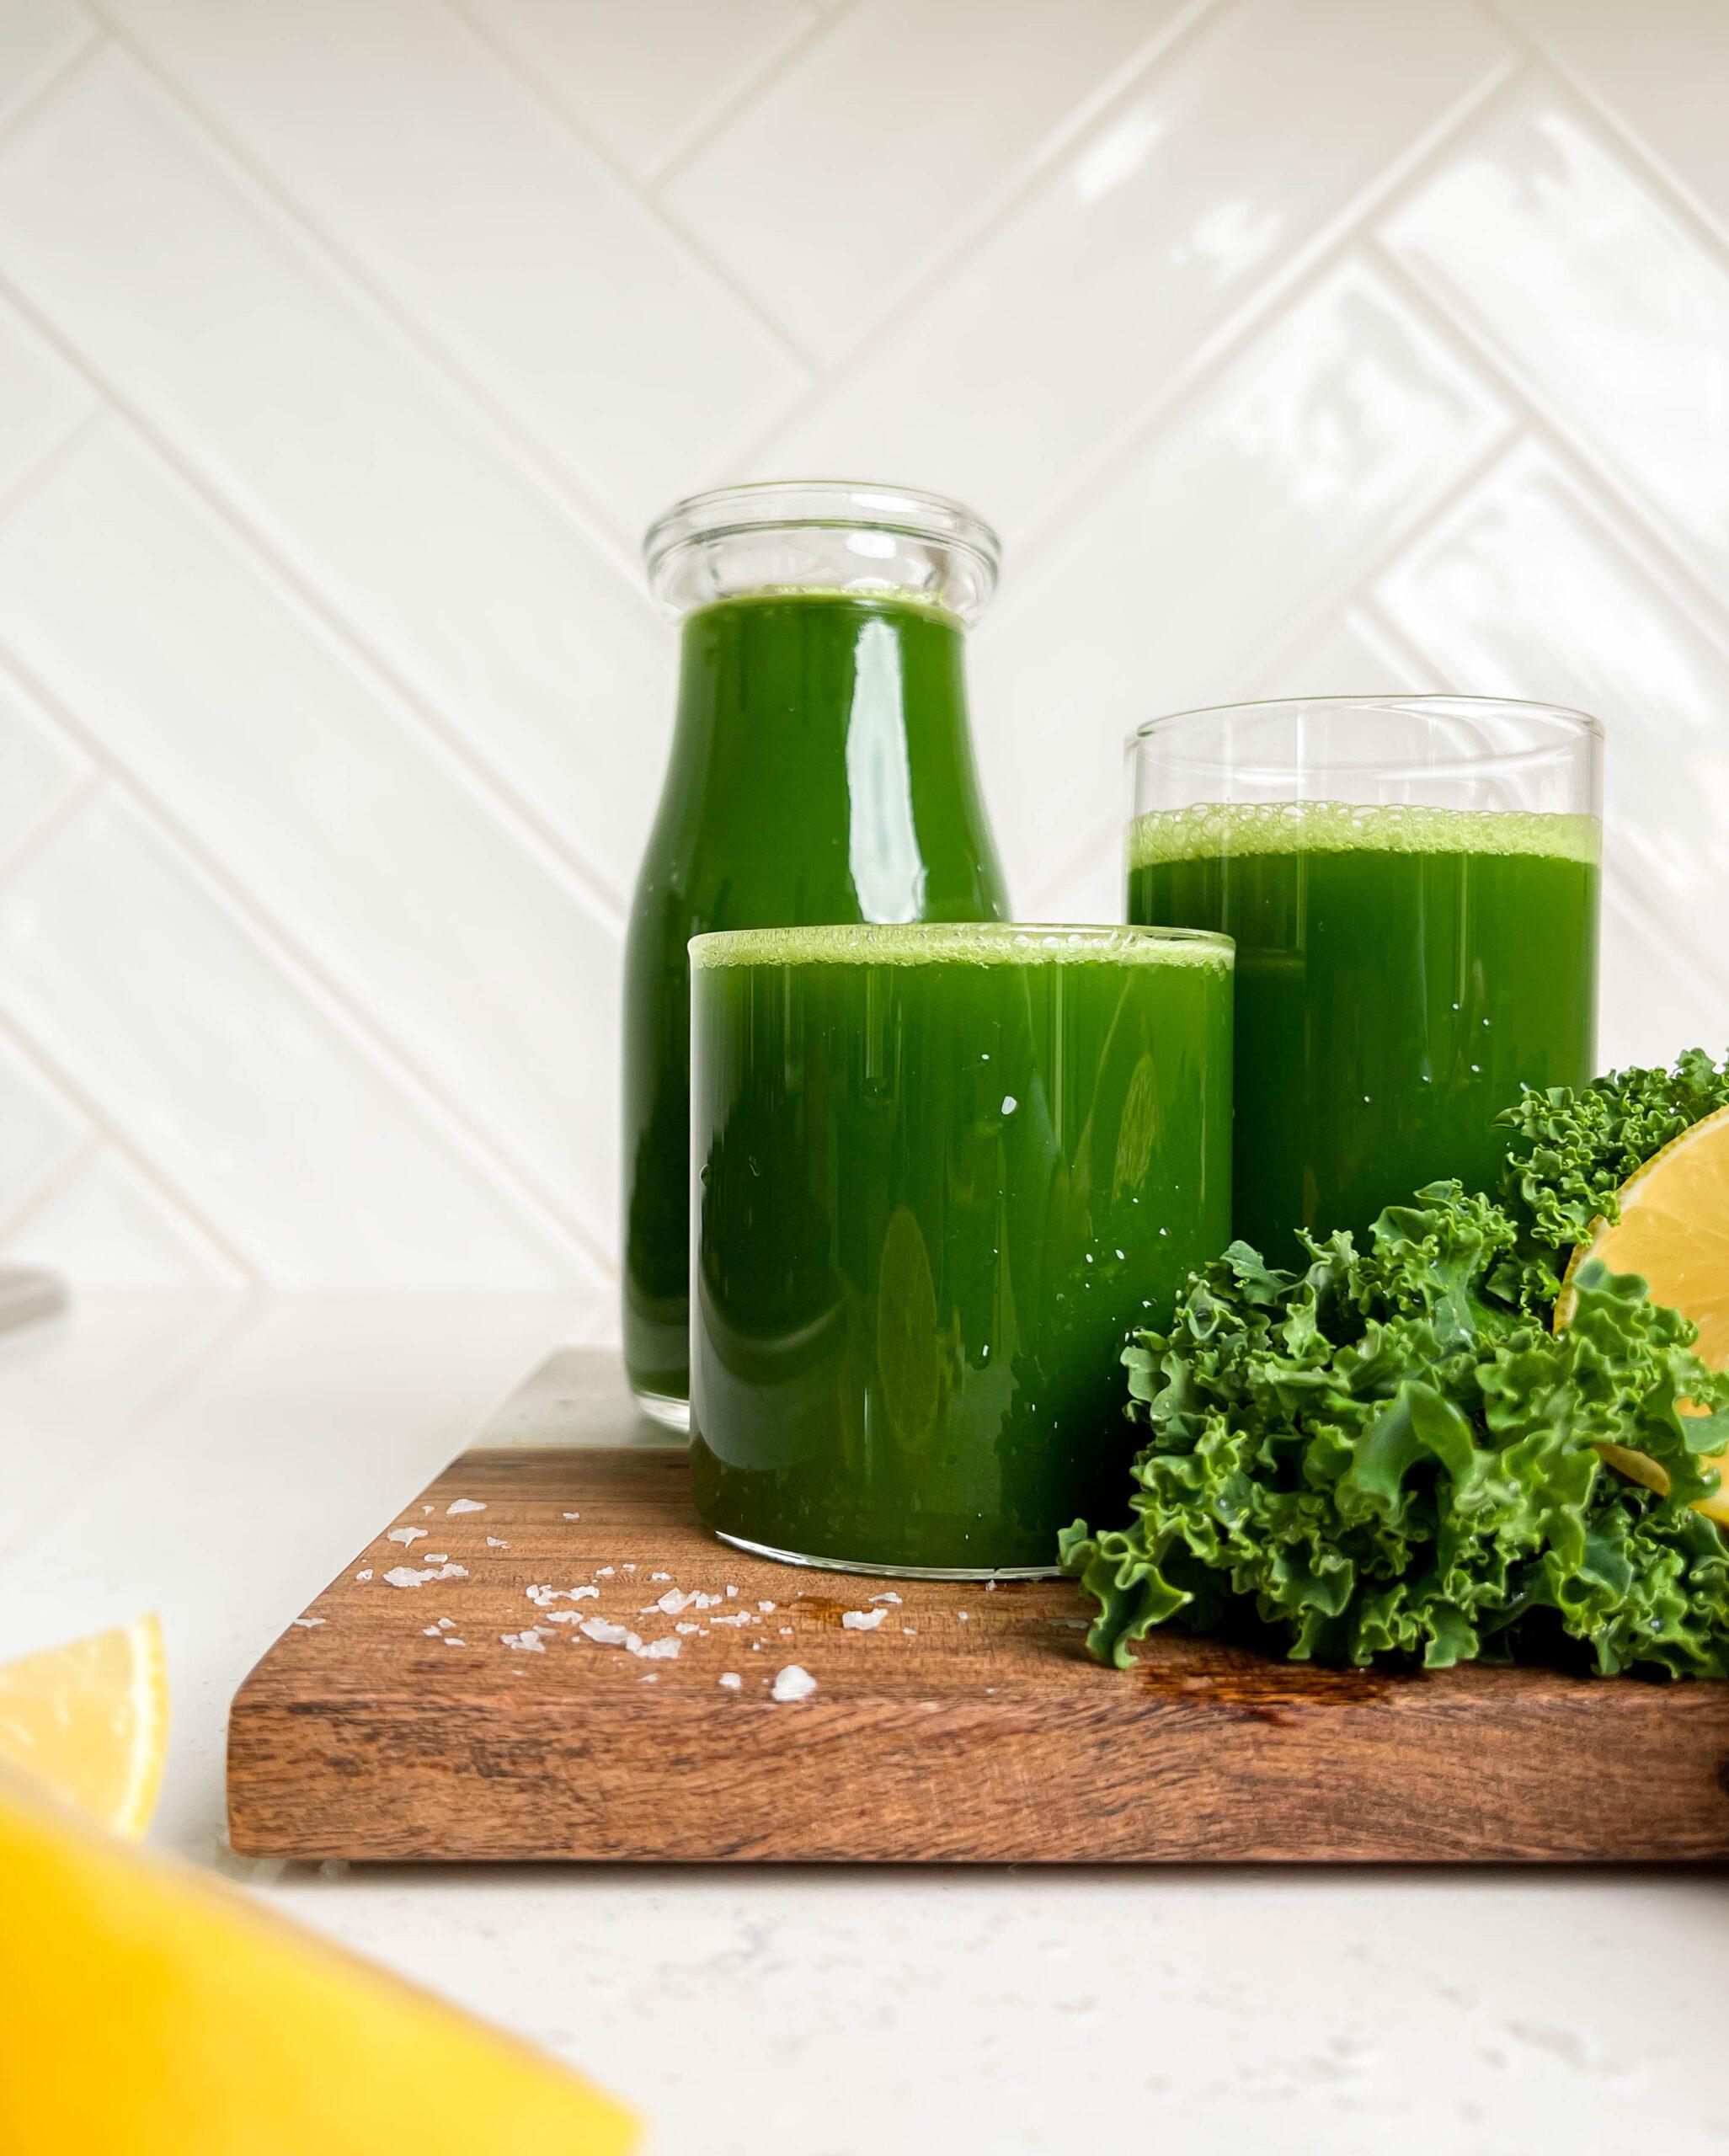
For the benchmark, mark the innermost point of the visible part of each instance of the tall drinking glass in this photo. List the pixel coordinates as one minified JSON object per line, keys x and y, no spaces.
{"x":1412,"y":882}
{"x":941,"y":1175}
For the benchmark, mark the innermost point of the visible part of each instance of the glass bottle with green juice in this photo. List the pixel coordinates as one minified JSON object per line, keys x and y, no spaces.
{"x":821,"y":771}
{"x":1412,"y":884}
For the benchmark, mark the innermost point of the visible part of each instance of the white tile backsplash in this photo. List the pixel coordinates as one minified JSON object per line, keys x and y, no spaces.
{"x":513,"y":247}
{"x":107,"y":1226}
{"x":345,"y":348}
{"x":342,"y":447}
{"x":323,"y":799}
{"x":40,"y":768}
{"x":831,"y":193}
{"x":41,"y":1132}
{"x":1614,"y":313}
{"x":38,"y":37}
{"x":42,"y":401}
{"x":644,"y":77}
{"x":1215,"y":172}
{"x":276,"y":1120}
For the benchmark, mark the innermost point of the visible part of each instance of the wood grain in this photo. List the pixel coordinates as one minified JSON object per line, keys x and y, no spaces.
{"x":968,"y":1726}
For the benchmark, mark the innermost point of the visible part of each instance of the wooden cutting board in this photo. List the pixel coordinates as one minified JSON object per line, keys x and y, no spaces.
{"x":442,"y":1700}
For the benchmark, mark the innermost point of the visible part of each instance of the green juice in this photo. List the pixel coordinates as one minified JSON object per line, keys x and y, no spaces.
{"x":821,"y":771}
{"x":942,"y":1174}
{"x":1402,"y":972}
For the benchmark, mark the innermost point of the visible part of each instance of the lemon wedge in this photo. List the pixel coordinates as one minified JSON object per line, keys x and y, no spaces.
{"x":91,"y":1721}
{"x":1674,"y":1229}
{"x":150,"y":2009}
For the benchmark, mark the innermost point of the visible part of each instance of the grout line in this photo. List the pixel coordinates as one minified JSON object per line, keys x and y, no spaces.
{"x":553,"y":846}
{"x":115,"y":1135}
{"x":424,"y":347}
{"x":642,"y":190}
{"x":53,"y":821}
{"x":308,"y":974}
{"x":1401,"y":647}
{"x":37,"y":473}
{"x":1302,"y":273}
{"x":820,"y":22}
{"x":59,"y":1178}
{"x":53,"y":79}
{"x":1001,"y":204}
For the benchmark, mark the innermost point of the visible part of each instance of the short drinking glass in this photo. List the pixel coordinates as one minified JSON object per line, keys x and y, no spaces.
{"x":940,"y":1174}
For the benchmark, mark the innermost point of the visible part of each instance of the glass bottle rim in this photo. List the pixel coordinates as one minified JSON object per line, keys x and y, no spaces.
{"x":1568,"y":725}
{"x":862,"y":942}
{"x":836,"y":504}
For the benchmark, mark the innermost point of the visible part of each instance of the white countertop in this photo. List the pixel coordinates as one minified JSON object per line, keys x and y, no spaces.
{"x":219,"y":1461}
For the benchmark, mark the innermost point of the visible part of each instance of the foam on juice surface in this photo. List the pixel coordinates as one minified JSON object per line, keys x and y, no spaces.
{"x":978,"y":943}
{"x":1213,"y":828}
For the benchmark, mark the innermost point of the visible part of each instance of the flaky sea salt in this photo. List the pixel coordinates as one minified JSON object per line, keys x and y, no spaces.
{"x":544,"y":1597}
{"x":570,"y":1515}
{"x":890,"y":1596}
{"x":730,"y":1681}
{"x":607,"y":1635}
{"x":407,"y":1575}
{"x":406,"y":1535}
{"x":861,"y":1620}
{"x":655,"y":1577}
{"x":673,"y":1602}
{"x":309,"y":1624}
{"x":766,"y":1608}
{"x":492,"y":1542}
{"x":366,"y":1575}
{"x":792,"y":1683}
{"x":464,"y":1505}
{"x":528,"y":1642}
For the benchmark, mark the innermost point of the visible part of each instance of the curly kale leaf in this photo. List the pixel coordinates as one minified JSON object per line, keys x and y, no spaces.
{"x":1390,"y":1452}
{"x":1571,"y":1151}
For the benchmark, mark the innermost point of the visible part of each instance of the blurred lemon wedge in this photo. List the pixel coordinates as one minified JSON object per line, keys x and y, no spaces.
{"x":1674,"y":1229}
{"x":91,"y":1721}
{"x":151,"y":2010}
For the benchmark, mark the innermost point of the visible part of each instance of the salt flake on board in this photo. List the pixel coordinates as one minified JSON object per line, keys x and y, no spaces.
{"x":464,"y":1505}
{"x":891,"y":1596}
{"x":792,"y":1683}
{"x":528,"y":1642}
{"x":730,"y":1681}
{"x":407,"y":1576}
{"x":861,"y":1620}
{"x":406,"y":1535}
{"x":309,"y":1623}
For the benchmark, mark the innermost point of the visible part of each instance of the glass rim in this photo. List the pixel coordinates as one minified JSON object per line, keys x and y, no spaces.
{"x":856,"y":942}
{"x":834,"y":505}
{"x":1569,"y":724}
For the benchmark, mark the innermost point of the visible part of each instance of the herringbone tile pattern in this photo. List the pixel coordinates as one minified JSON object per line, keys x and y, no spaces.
{"x":346,"y":347}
